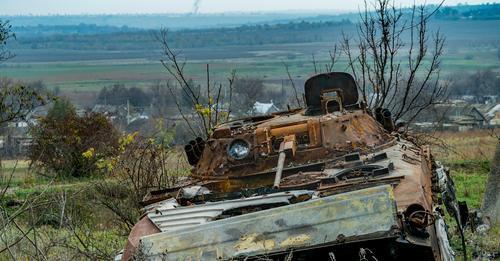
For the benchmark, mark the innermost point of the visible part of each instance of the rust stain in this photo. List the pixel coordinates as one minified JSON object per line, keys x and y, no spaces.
{"x":295,"y":240}
{"x":254,"y":243}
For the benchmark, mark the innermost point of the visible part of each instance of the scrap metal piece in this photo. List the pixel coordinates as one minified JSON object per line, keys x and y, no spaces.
{"x":367,"y":212}
{"x":193,"y":191}
{"x":339,"y":81}
{"x":169,"y":216}
{"x":279,"y":169}
{"x":446,"y":251}
{"x":287,"y":147}
{"x":352,"y":157}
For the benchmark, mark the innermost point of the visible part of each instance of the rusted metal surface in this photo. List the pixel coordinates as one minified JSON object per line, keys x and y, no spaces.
{"x":351,"y":175}
{"x":315,"y":222}
{"x":142,"y":228}
{"x":326,"y":136}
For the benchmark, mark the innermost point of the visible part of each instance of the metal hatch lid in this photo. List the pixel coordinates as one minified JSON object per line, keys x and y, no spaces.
{"x":334,"y":80}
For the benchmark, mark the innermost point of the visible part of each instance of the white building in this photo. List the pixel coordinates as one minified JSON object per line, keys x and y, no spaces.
{"x":260,"y":108}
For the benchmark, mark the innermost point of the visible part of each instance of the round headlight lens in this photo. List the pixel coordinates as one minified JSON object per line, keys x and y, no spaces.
{"x":238,"y":149}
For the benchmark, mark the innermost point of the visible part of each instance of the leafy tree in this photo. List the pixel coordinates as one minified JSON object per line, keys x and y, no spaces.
{"x":62,"y":109}
{"x":118,"y":94}
{"x":66,"y":144}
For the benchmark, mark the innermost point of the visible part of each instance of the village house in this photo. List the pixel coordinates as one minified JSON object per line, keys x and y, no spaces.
{"x":260,"y":108}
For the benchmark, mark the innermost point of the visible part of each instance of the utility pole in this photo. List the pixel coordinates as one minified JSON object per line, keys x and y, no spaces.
{"x":128,"y":112}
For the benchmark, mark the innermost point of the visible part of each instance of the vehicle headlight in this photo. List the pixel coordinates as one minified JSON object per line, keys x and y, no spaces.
{"x":238,"y":149}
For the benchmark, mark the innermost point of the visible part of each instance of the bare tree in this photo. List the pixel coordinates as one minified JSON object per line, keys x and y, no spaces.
{"x":394,"y":73}
{"x":17,"y":100}
{"x":334,"y":55}
{"x":5,"y":34}
{"x":12,"y":233}
{"x":294,"y":88}
{"x":247,"y":91}
{"x":208,"y":106}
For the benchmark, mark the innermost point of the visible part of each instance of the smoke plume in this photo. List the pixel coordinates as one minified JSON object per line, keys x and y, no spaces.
{"x":196,"y":6}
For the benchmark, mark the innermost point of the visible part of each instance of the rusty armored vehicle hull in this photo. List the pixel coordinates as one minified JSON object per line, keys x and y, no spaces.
{"x":333,"y":181}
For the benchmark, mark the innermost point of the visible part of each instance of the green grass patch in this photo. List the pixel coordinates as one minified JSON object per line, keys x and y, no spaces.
{"x":470,"y":180}
{"x":470,"y":177}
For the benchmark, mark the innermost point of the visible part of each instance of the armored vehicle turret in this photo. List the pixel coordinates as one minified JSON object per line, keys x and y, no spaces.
{"x":331,"y":181}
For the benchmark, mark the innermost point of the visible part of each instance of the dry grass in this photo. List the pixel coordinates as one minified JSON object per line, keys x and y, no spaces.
{"x":20,"y":164}
{"x":475,"y":145}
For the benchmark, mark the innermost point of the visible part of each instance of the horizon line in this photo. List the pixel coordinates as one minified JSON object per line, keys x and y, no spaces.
{"x":290,"y":11}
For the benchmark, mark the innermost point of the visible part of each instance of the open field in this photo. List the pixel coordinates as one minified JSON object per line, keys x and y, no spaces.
{"x":474,"y":145}
{"x":18,"y":169}
{"x":470,"y":46}
{"x":266,"y":63}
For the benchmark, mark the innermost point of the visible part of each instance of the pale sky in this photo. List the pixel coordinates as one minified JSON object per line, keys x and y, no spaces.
{"x":43,"y":7}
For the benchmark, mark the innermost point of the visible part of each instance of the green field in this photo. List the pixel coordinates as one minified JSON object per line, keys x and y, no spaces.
{"x":470,"y":46}
{"x":266,"y":63}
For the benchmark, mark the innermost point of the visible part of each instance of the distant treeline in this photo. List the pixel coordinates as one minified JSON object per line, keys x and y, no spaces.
{"x":480,"y":83}
{"x":85,"y":36}
{"x":473,"y":12}
{"x":172,"y":21}
{"x":80,"y":37}
{"x":81,"y":29}
{"x":204,"y":21}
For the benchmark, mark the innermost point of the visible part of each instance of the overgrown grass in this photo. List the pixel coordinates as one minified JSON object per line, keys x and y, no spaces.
{"x":468,"y":146}
{"x":470,"y":181}
{"x":468,"y":155}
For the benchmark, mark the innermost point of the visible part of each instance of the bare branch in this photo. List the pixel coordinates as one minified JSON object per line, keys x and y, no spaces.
{"x":299,"y":104}
{"x":378,"y":68}
{"x":202,"y":103}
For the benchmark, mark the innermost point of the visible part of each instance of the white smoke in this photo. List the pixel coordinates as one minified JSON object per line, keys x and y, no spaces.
{"x":196,"y":6}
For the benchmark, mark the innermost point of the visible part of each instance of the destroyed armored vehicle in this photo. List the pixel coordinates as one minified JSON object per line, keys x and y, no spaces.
{"x":332,"y":181}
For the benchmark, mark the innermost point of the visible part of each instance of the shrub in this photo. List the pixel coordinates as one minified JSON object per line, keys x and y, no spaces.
{"x":143,"y":165}
{"x":66,"y":144}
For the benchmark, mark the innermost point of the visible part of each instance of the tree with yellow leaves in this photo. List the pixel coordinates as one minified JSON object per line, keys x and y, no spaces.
{"x":209,"y":106}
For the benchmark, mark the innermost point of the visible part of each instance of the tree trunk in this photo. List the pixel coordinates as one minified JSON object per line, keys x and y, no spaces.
{"x":491,"y":204}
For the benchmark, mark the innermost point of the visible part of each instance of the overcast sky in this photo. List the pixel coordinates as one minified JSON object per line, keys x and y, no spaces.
{"x":42,"y":7}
